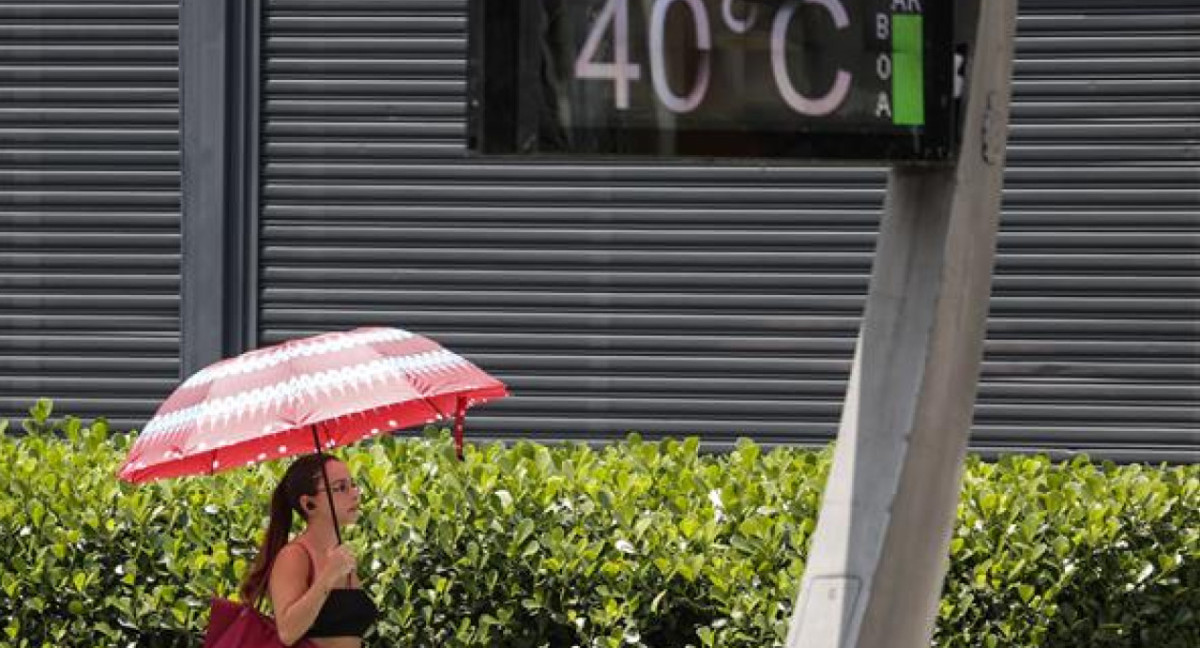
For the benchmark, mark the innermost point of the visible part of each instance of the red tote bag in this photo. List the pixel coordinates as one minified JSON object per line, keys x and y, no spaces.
{"x":233,"y":625}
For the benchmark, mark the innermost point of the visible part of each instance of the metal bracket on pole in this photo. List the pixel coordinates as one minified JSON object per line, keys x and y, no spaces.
{"x":879,"y":553}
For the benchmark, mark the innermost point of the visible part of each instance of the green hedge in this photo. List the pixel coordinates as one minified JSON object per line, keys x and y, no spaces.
{"x":639,"y":543}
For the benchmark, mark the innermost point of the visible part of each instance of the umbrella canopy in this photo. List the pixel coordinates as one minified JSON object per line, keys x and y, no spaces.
{"x":326,"y":391}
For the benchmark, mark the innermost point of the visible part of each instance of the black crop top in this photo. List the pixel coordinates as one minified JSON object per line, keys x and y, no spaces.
{"x":347,"y":612}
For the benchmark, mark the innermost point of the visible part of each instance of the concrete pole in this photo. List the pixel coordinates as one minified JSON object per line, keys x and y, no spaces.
{"x":879,"y":553}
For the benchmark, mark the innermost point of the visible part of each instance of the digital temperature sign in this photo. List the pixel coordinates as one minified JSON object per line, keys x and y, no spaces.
{"x":848,"y":80}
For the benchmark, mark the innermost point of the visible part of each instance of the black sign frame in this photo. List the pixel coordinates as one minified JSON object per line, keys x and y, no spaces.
{"x":507,"y":110}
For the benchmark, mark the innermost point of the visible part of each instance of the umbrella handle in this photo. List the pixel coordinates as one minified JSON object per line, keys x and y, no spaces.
{"x":329,"y":493}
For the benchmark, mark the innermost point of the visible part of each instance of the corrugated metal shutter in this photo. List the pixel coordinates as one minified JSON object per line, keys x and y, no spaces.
{"x":89,"y":206}
{"x":725,"y":301}
{"x":1094,"y":339}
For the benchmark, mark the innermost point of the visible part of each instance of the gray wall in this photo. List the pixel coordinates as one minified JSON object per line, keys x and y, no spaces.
{"x":89,"y":206}
{"x":671,"y":299}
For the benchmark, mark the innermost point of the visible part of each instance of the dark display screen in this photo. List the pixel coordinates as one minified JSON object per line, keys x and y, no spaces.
{"x":807,"y":79}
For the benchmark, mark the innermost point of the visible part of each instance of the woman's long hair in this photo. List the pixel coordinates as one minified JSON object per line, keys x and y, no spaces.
{"x":300,"y":479}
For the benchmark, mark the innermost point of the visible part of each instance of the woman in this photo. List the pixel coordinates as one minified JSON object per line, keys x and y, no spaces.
{"x":314,"y":590}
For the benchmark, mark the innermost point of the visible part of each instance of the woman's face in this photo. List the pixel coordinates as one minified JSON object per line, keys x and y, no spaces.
{"x":345,"y":493}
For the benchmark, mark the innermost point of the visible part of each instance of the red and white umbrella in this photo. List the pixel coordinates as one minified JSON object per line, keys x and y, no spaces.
{"x":303,"y":395}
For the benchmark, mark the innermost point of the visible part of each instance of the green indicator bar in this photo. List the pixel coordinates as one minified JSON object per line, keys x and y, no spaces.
{"x":908,"y":57}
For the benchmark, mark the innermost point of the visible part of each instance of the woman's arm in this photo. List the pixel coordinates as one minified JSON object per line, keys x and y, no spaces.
{"x":296,"y":604}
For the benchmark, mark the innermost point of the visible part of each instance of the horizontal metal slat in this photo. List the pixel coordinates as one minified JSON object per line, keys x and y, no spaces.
{"x":49,"y":302}
{"x":123,"y":11}
{"x":1137,"y":45}
{"x":1180,"y":352}
{"x":752,"y":410}
{"x":41,"y":74}
{"x":67,"y":96}
{"x":1116,"y":264}
{"x":30,"y":283}
{"x":99,"y":117}
{"x":1070,"y":24}
{"x":1107,"y":132}
{"x":282,"y":107}
{"x":274,"y":315}
{"x":93,"y":240}
{"x":81,"y":364}
{"x":134,"y":179}
{"x":578,"y":171}
{"x":46,"y":53}
{"x":88,"y":323}
{"x":275,"y":45}
{"x":809,"y":217}
{"x":91,"y":136}
{"x":797,"y":282}
{"x":374,"y":88}
{"x":392,"y":67}
{"x":1179,"y":373}
{"x":313,"y":276}
{"x":533,"y":192}
{"x":813,"y":217}
{"x":552,"y":322}
{"x":359,"y":150}
{"x":997,"y":390}
{"x":86,"y":219}
{"x":1182,"y":65}
{"x":375,"y":24}
{"x":602,"y":429}
{"x":70,"y":261}
{"x":748,"y":410}
{"x":305,"y":7}
{"x":95,"y":386}
{"x":58,"y":198}
{"x":1141,"y":88}
{"x":333,"y":132}
{"x":1018,"y":154}
{"x":1101,"y":177}
{"x":1092,"y":329}
{"x":1084,"y":436}
{"x":110,"y":158}
{"x":113,"y":345}
{"x":532,"y":257}
{"x":455,"y":170}
{"x":122,"y":413}
{"x":711,"y":302}
{"x":526,"y":258}
{"x":1091,"y":154}
{"x":86,"y":33}
{"x":1031,"y":219}
{"x":614,"y":302}
{"x":683,"y":237}
{"x":719,"y":435}
{"x":1029,"y":109}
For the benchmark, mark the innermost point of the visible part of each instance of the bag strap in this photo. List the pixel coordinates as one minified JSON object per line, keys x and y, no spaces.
{"x":312,"y":564}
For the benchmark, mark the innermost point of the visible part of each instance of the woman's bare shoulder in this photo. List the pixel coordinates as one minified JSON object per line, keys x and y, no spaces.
{"x":291,"y":562}
{"x":289,"y":576}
